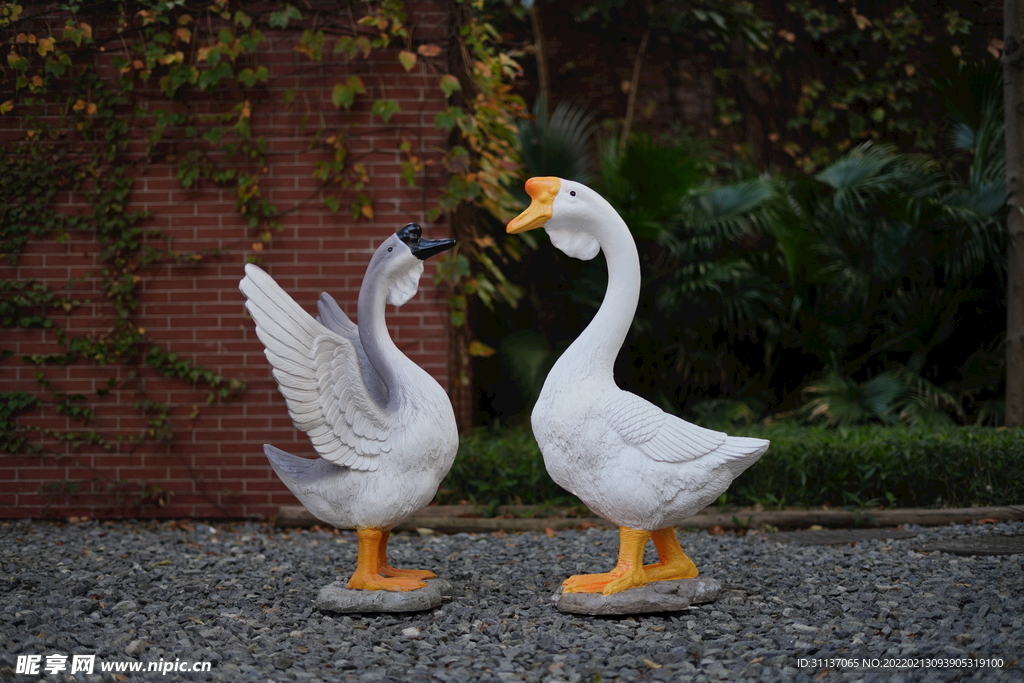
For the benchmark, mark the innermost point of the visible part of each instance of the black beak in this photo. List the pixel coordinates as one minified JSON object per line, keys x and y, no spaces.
{"x":421,"y":248}
{"x":424,"y":249}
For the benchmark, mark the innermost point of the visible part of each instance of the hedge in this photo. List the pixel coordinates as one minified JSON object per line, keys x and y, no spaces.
{"x":805,"y":466}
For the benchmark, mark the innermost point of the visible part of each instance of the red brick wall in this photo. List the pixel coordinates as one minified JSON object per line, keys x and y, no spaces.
{"x":216,"y":466}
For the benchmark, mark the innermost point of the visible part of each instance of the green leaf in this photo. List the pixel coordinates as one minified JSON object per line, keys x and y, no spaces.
{"x":447,"y":119}
{"x":449,"y":85}
{"x":212,"y":77}
{"x":346,"y":45}
{"x":344,"y":94}
{"x":281,"y":18}
{"x":16,"y":61}
{"x":311,"y":44}
{"x":464,"y":190}
{"x":385,"y":109}
{"x":249,"y":78}
{"x":407,"y":59}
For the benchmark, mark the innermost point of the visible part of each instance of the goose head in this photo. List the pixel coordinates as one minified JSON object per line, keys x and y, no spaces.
{"x":398,"y":262}
{"x":570,"y":213}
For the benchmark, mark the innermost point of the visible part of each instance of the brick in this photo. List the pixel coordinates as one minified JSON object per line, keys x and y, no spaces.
{"x":198,"y":312}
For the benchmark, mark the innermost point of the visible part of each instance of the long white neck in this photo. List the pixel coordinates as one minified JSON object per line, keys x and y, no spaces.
{"x":599,"y":344}
{"x":384,"y":356}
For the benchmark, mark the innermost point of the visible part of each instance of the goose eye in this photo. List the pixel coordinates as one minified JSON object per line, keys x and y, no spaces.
{"x":390,"y":248}
{"x":572,"y":193}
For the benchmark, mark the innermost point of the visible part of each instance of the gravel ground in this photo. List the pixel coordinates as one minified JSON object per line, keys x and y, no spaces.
{"x":239,"y":596}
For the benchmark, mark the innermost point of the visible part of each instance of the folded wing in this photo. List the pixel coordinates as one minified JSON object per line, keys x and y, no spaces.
{"x":657,"y":434}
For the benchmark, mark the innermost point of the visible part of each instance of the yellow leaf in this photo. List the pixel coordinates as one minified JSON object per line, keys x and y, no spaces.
{"x":203,"y":52}
{"x":408,"y":59}
{"x":86,"y":30}
{"x":367,"y":211}
{"x":246,"y":110}
{"x":91,"y":108}
{"x":79,"y":105}
{"x":37,"y":81}
{"x":481,"y":350}
{"x":257,"y":246}
{"x":910,"y":69}
{"x":6,"y":106}
{"x":184,"y":35}
{"x":46,"y":45}
{"x":172,"y":58}
{"x":862,"y":21}
{"x":429,"y":50}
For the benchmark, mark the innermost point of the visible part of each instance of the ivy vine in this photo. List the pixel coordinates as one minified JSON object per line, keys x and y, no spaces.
{"x":114,"y":70}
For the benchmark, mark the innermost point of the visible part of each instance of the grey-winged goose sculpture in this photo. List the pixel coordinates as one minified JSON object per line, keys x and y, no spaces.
{"x":384,"y":429}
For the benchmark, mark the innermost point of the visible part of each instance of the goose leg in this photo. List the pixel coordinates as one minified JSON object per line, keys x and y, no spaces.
{"x":672,"y":562}
{"x":628,"y":572}
{"x":389,"y":571}
{"x":367,"y":575}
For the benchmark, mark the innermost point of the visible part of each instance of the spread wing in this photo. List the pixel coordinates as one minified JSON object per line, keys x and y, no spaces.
{"x":657,"y":434}
{"x":318,"y":373}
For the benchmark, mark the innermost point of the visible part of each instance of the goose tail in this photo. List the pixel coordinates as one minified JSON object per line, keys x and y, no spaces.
{"x":740,"y":452}
{"x":301,"y":475}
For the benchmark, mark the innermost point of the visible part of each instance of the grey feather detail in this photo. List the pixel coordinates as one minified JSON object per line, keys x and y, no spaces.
{"x":333,"y":318}
{"x":301,"y":473}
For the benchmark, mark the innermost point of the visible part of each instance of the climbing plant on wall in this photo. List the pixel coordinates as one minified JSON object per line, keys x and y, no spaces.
{"x":86,"y":83}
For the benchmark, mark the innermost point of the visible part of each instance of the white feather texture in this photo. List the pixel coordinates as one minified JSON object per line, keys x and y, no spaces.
{"x":626,"y":459}
{"x":406,"y":285}
{"x":575,"y":243}
{"x":383,"y":428}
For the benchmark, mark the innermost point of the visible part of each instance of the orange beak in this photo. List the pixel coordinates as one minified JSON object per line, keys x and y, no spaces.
{"x":542,"y":191}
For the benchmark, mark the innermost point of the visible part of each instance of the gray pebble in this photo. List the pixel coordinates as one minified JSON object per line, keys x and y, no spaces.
{"x":242,"y":597}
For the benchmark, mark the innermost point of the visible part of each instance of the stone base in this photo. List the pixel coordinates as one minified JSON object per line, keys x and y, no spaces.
{"x":337,"y":597}
{"x":657,"y":596}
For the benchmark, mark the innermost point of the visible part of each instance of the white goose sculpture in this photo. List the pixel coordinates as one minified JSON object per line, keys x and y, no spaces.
{"x":630,"y":462}
{"x":383,"y":428}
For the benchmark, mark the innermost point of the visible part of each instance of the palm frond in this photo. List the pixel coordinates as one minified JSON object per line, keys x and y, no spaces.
{"x":560,"y":144}
{"x":726,"y":212}
{"x":839,"y":400}
{"x":926,"y":403}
